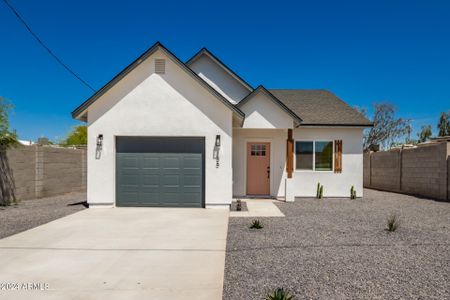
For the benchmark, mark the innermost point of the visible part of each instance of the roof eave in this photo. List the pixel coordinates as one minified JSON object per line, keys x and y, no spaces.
{"x":335,"y":125}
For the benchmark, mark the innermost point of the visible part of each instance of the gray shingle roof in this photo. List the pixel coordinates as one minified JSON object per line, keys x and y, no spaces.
{"x":320,"y":107}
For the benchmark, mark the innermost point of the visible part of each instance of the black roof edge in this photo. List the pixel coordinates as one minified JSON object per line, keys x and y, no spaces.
{"x":135,"y":63}
{"x":337,"y":125}
{"x":275,"y":99}
{"x":205,"y":50}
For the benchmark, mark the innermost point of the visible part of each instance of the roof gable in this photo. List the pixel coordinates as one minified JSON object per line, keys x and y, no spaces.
{"x":79,"y":112}
{"x":261,"y":89}
{"x":222,"y":65}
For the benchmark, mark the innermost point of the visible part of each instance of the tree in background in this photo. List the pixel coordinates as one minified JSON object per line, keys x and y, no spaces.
{"x":425,"y":133}
{"x":7,"y":138}
{"x":387,"y":128}
{"x":78,"y":136}
{"x":444,"y":124}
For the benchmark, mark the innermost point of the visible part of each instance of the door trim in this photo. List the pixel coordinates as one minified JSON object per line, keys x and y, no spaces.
{"x":258,"y":140}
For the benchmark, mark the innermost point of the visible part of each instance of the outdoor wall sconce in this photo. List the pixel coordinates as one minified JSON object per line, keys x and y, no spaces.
{"x":100,"y":140}
{"x":218,"y":140}
{"x":98,"y":150}
{"x":217,"y":149}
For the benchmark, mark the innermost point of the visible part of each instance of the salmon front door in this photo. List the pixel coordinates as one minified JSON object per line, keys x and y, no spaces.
{"x":258,"y":168}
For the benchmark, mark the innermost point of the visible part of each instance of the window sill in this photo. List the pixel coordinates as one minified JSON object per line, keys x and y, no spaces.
{"x":312,"y":171}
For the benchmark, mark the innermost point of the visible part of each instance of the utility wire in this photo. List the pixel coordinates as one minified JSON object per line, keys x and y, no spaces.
{"x":45,"y":46}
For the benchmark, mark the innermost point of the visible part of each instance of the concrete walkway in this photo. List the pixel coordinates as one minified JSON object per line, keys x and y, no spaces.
{"x":259,"y":208}
{"x":120,"y":253}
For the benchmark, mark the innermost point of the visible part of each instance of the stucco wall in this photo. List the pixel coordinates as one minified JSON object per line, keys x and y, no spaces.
{"x":219,"y":79}
{"x":335,"y":184}
{"x":261,"y":112}
{"x":148,"y":104}
{"x":303,"y":183}
{"x":46,"y":171}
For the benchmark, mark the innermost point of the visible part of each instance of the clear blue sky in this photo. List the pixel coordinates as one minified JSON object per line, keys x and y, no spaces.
{"x":364,"y":51}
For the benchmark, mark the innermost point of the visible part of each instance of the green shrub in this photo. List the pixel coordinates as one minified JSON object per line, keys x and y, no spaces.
{"x":279,"y":294}
{"x":256,"y":224}
{"x":393,"y":222}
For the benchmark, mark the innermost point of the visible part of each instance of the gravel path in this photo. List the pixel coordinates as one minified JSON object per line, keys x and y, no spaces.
{"x":338,"y":249}
{"x":28,"y":214}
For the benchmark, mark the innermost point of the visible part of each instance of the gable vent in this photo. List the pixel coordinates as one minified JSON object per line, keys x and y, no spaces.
{"x":160,"y":66}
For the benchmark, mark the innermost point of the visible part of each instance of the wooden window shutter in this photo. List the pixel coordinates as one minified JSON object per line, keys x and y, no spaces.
{"x":289,"y":154}
{"x":338,"y":156}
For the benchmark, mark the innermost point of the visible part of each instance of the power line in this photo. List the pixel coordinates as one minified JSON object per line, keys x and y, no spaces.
{"x":45,"y":46}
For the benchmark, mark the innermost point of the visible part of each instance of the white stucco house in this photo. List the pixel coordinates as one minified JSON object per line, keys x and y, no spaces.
{"x":194,"y":134}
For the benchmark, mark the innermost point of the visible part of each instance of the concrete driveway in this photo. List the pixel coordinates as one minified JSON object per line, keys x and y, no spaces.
{"x":120,"y":253}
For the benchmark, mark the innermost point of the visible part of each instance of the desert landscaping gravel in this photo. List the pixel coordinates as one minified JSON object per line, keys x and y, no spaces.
{"x":27,"y":214}
{"x":339,"y":249}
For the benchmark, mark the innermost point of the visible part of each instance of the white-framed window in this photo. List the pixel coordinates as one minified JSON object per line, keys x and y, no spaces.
{"x":258,"y":150}
{"x":314,"y":155}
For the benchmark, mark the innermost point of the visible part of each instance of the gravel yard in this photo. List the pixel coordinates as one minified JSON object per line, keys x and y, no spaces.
{"x":339,"y":249}
{"x":31,"y":213}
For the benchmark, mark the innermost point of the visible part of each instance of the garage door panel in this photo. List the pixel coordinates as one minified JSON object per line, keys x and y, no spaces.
{"x":132,"y":197}
{"x":191,"y":197}
{"x":171,"y":161}
{"x":192,"y":160}
{"x":161,"y":178}
{"x":129,"y":180}
{"x":151,"y":180}
{"x":170,"y":180}
{"x":148,"y":194}
{"x":150,"y":161}
{"x":192,"y":181}
{"x":130,"y":161}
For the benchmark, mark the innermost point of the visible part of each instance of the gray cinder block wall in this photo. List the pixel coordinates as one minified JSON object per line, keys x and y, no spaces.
{"x":422,"y":171}
{"x":41,"y":171}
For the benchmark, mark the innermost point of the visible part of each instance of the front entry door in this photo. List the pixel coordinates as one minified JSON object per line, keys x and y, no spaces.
{"x":258,"y":168}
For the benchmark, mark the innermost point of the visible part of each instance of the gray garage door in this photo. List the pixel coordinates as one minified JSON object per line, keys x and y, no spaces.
{"x":160,"y":171}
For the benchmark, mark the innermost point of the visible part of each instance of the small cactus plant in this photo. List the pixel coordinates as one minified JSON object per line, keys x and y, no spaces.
{"x":352,"y":193}
{"x":318,"y":190}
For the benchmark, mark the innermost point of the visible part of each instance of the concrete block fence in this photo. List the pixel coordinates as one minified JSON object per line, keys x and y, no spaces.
{"x":422,"y":171}
{"x":41,"y":171}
